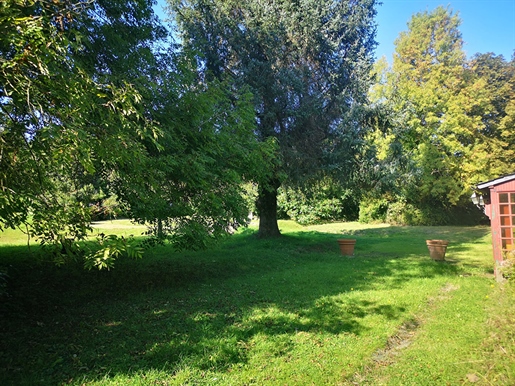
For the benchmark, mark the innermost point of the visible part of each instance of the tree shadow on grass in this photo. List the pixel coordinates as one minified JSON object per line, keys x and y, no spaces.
{"x":205,"y":309}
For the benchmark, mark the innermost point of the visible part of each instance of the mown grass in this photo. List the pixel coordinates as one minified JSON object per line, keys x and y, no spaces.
{"x":289,"y":311}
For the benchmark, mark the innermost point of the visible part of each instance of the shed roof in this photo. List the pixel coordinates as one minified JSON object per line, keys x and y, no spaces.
{"x":497,"y":181}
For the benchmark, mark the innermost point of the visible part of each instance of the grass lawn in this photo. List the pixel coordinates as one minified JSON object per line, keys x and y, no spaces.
{"x":288,"y":311}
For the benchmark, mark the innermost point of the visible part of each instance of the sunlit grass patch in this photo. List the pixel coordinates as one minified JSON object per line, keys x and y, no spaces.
{"x":443,"y":349}
{"x":14,"y":237}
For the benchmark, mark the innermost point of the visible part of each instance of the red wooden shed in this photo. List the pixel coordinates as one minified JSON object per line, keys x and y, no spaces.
{"x":498,"y":198}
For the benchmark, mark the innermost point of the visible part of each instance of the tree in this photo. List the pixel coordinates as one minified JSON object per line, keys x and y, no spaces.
{"x":121,"y":41}
{"x":443,"y":135}
{"x":307,"y":66}
{"x":496,"y":78}
{"x":193,"y":186}
{"x":189,"y":189}
{"x":429,"y":65}
{"x":82,"y":108}
{"x":56,"y":121}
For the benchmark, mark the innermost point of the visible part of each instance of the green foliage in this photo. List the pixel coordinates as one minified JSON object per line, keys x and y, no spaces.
{"x":319,"y":203}
{"x":435,"y":126}
{"x":121,"y":42}
{"x":443,"y":133}
{"x":250,"y":192}
{"x":372,"y":211}
{"x":112,"y":247}
{"x":402,"y":213}
{"x":399,"y":212}
{"x":58,"y":123}
{"x":507,"y":267}
{"x":193,"y":235}
{"x":493,"y":150}
{"x":101,"y":117}
{"x":306,"y":65}
{"x":107,"y":207}
{"x":209,"y":152}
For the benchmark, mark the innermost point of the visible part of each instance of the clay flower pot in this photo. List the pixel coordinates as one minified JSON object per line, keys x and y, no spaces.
{"x":347,"y":246}
{"x":437,"y":249}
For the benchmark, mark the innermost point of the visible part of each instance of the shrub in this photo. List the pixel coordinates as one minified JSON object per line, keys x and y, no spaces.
{"x":317,"y":206}
{"x":371,"y":211}
{"x":507,"y":269}
{"x":107,"y":208}
{"x":403,"y":213}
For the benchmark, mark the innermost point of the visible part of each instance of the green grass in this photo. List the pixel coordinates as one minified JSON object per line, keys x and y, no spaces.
{"x":289,"y":311}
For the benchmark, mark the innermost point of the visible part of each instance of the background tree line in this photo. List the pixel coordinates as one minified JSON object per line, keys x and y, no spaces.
{"x":103,"y":112}
{"x":450,"y":125}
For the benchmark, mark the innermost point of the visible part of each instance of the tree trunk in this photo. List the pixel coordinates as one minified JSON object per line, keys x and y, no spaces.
{"x":267,"y":209}
{"x":160,"y":234}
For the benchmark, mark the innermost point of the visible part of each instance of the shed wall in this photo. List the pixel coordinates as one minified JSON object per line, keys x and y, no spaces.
{"x":502,"y":216}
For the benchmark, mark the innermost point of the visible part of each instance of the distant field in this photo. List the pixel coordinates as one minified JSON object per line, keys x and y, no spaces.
{"x":119,"y":227}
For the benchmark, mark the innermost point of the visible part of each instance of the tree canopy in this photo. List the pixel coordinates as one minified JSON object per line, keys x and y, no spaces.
{"x":307,"y":65}
{"x":98,"y":102}
{"x":445,"y":122}
{"x":56,"y":119}
{"x":87,"y":101}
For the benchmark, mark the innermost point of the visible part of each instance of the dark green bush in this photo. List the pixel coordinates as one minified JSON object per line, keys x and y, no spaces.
{"x":371,"y":211}
{"x":404,"y":213}
{"x":317,"y":205}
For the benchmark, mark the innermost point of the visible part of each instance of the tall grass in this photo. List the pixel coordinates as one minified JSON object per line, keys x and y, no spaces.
{"x":285,"y":311}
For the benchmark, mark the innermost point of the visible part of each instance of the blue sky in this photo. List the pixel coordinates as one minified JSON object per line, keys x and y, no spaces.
{"x":487,"y":25}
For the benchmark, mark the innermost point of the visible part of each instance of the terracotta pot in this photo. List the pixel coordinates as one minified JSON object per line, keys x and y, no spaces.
{"x":347,"y":246}
{"x":437,"y":249}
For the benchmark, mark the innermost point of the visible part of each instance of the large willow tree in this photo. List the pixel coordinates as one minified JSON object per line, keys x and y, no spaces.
{"x":306,"y":63}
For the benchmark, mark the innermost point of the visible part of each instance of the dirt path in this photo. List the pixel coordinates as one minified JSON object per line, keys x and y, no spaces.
{"x":397,"y":342}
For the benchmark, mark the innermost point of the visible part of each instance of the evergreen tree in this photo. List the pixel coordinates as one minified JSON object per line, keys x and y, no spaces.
{"x":494,"y":151}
